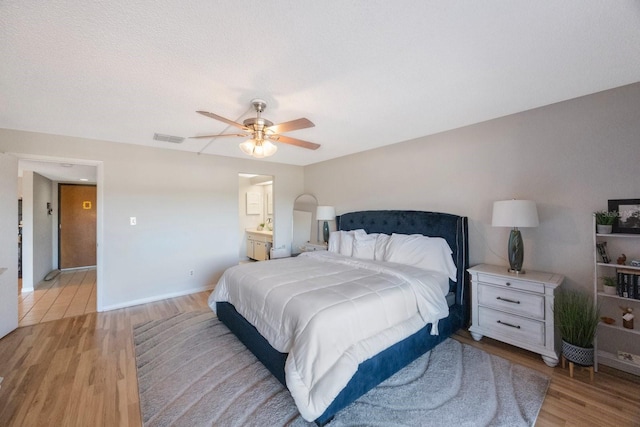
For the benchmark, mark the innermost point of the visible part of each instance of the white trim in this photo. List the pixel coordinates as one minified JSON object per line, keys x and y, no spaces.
{"x":100,"y":284}
{"x":86,"y":267}
{"x":156,"y":298}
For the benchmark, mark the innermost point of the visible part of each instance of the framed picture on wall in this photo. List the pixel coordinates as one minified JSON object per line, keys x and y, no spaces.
{"x":629,"y":215}
{"x":254,"y":203}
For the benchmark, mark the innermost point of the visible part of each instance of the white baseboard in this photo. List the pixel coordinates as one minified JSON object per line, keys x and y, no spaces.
{"x":155,"y":298}
{"x":26,"y":290}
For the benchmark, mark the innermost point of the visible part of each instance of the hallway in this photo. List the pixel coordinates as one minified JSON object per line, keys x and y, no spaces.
{"x":71,"y":293}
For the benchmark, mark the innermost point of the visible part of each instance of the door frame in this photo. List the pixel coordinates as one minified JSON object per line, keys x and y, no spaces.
{"x":99,"y":216}
{"x":9,"y":251}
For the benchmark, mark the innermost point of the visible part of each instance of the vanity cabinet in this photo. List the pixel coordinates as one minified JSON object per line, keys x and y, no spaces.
{"x":259,"y":245}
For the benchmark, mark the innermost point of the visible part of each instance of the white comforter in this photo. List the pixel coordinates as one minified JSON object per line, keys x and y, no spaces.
{"x":330,"y":313}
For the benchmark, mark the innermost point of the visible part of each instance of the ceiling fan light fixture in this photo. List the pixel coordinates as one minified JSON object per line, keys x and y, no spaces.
{"x":248,"y":146}
{"x":261,"y":131}
{"x":258,"y":148}
{"x":268,"y":148}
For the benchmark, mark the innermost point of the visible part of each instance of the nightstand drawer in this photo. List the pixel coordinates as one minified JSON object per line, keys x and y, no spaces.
{"x":498,"y":324}
{"x":512,"y":283}
{"x":512,"y":300}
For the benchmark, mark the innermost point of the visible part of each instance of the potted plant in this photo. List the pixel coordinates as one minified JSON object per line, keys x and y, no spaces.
{"x":605,"y":220}
{"x":609,"y":285}
{"x":577,"y":318}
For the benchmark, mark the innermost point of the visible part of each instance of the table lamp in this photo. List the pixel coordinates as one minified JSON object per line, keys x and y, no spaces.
{"x":325,"y":213}
{"x":515,"y":213}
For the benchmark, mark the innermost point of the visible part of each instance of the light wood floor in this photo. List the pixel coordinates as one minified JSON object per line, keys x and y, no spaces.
{"x":71,"y":293}
{"x":80,"y":371}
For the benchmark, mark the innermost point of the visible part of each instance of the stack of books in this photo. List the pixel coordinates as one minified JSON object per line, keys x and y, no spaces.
{"x":628,"y":283}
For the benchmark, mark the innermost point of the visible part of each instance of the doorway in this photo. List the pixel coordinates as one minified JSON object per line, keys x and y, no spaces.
{"x":256,"y":210}
{"x":37,"y":261}
{"x":76,"y":225}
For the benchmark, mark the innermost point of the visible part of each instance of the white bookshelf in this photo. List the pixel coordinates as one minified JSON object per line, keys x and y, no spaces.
{"x":612,"y":338}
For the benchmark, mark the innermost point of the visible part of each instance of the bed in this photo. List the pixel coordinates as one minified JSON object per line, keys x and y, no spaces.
{"x":368,"y":370}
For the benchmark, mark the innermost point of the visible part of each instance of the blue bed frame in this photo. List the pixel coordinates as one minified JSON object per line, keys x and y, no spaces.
{"x":372,"y":372}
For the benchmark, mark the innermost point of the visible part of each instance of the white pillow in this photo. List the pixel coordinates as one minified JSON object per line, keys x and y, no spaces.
{"x":381,"y":246}
{"x":346,"y":241}
{"x":334,"y":242}
{"x":364,"y":246}
{"x":429,"y":253}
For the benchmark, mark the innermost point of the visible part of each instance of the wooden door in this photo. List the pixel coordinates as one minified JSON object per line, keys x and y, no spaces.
{"x":77,"y":238}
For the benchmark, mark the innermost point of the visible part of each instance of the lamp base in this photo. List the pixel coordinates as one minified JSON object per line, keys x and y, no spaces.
{"x":516,"y":252}
{"x":325,"y":232}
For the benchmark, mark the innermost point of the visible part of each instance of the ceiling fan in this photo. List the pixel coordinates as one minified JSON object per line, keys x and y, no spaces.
{"x":262,"y":131}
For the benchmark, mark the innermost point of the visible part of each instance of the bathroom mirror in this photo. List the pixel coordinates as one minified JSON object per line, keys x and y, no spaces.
{"x":304,"y":212}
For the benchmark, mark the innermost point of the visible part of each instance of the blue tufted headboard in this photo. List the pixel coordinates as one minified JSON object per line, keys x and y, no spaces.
{"x":452,"y":228}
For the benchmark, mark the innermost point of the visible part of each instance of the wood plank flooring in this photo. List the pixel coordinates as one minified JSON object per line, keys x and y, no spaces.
{"x":80,"y":371}
{"x":70,"y":294}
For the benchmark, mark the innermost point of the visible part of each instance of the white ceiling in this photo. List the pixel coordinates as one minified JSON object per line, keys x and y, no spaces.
{"x":368,"y":73}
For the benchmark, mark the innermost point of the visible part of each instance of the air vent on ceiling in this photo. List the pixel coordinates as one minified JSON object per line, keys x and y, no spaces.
{"x":168,"y":138}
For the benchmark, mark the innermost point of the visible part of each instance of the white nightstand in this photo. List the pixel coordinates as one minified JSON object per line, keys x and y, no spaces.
{"x":515,"y":308}
{"x":316,"y":246}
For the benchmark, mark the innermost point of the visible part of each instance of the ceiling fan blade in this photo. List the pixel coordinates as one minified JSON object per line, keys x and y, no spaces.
{"x":219,"y":135}
{"x":294,"y":141}
{"x":222,"y":119}
{"x":292,"y":125}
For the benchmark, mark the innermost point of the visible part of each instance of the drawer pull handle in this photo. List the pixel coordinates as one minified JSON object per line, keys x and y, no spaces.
{"x":508,"y":324}
{"x":508,"y":300}
{"x":508,"y":283}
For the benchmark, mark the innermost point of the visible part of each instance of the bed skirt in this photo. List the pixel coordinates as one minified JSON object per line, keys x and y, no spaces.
{"x":370,"y":373}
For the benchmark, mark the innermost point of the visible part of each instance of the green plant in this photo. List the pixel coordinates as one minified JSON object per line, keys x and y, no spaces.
{"x":606,"y":217}
{"x":609,"y":281}
{"x":576,"y":317}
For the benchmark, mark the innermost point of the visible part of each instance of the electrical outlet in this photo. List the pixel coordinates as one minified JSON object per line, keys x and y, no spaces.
{"x":190,"y":272}
{"x":132,"y":220}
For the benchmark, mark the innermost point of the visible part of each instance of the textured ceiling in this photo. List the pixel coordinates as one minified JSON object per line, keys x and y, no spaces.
{"x":368,"y":73}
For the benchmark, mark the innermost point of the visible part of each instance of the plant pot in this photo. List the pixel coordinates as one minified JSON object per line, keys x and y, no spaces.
{"x":581,"y":356}
{"x":610,"y":290}
{"x":604,"y":229}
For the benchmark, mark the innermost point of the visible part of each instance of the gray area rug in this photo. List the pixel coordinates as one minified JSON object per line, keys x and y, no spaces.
{"x":192,"y":371}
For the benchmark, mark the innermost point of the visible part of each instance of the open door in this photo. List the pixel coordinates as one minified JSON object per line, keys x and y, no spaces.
{"x":8,"y":243}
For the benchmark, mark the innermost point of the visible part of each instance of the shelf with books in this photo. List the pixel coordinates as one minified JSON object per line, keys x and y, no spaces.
{"x":612,"y":254}
{"x":620,"y":299}
{"x":626,"y":267}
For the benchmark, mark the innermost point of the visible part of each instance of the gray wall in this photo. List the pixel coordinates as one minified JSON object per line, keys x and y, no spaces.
{"x":569,"y":157}
{"x":186,"y":207}
{"x":43,"y":225}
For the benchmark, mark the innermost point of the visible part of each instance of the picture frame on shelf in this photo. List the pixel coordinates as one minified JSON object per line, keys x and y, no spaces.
{"x":602,"y":251}
{"x":629,"y":215}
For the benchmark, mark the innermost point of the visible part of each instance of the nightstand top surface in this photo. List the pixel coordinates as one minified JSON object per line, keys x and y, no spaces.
{"x":529,"y":275}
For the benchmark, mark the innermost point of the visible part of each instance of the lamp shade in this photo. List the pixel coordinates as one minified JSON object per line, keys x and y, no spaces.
{"x":325,"y":213}
{"x":258,"y":148}
{"x":515,"y":213}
